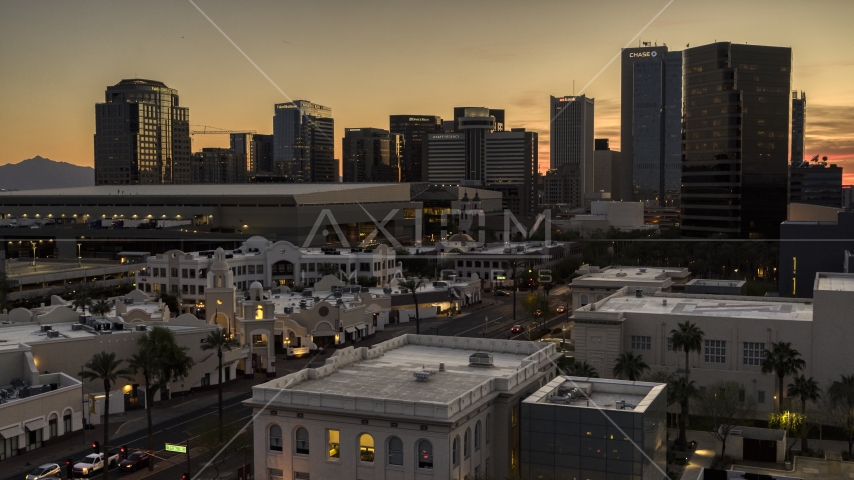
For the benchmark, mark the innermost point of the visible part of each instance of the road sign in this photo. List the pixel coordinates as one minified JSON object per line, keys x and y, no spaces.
{"x":176,"y":448}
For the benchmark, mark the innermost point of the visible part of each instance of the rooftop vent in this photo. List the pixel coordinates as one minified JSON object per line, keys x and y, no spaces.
{"x":664,"y":302}
{"x":76,"y":326}
{"x":559,"y":399}
{"x":45,"y":328}
{"x":52,"y":334}
{"x":306,"y":293}
{"x":622,"y":274}
{"x":442,"y":367}
{"x":622,"y":405}
{"x":639,"y":293}
{"x":480,"y":359}
{"x":642,"y":270}
{"x":140,"y":328}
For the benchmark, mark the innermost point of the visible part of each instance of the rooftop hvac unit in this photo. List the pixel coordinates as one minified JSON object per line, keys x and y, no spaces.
{"x":127,"y":301}
{"x":639,"y":293}
{"x":642,"y":270}
{"x":46,"y":328}
{"x":422,"y":376}
{"x":306,"y":293}
{"x":76,"y":326}
{"x":139,"y":328}
{"x":622,"y":274}
{"x":622,"y":405}
{"x":365,"y":289}
{"x":559,"y":399}
{"x":480,"y":359}
{"x":52,"y":334}
{"x":118,"y":326}
{"x":289,"y":310}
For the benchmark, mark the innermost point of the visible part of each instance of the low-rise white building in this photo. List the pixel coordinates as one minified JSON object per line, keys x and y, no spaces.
{"x":604,"y":215}
{"x":414,"y":407}
{"x":594,"y":283}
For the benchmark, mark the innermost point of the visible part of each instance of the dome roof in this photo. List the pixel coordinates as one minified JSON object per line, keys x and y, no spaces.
{"x":460,"y":237}
{"x":219,"y":260}
{"x":256,"y":285}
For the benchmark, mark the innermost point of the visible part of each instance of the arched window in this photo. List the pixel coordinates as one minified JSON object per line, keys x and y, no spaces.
{"x":275,"y":438}
{"x":467,"y":443}
{"x":584,"y":299}
{"x":488,"y":424}
{"x":366,"y":448}
{"x":301,"y":441}
{"x":455,"y":451}
{"x":395,"y":451}
{"x":477,"y":436}
{"x":259,"y":312}
{"x":425,"y":455}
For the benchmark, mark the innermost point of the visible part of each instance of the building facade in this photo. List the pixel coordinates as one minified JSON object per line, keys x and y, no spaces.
{"x":564,"y":186}
{"x":811,"y":247}
{"x":414,"y":129}
{"x":799,"y":121}
{"x":372,"y":155}
{"x":595,"y":284}
{"x":219,"y":165}
{"x":512,"y":168}
{"x":650,"y":125}
{"x":445,"y":158}
{"x":142,"y":135}
{"x":816,"y":184}
{"x":303,"y":142}
{"x":571,"y":136}
{"x":736,"y":140}
{"x":258,"y":150}
{"x":606,"y":168}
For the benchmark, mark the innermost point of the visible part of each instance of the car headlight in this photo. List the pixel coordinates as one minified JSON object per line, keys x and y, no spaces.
{"x":85,"y":470}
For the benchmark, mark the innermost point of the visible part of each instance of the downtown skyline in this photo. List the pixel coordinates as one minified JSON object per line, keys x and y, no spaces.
{"x":59,"y":58}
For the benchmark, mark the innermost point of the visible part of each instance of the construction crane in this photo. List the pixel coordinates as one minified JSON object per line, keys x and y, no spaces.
{"x":215,"y":130}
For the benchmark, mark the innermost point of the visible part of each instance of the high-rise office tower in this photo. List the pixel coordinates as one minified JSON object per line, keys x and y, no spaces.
{"x":475,"y":123}
{"x":414,"y":129}
{"x":799,"y":121}
{"x":303,"y":145}
{"x":262,"y":153}
{"x":218,"y":165}
{"x":371,"y":155}
{"x":445,"y":158}
{"x":572,"y":136}
{"x":142,"y":135}
{"x":512,"y":168}
{"x":650,"y":125}
{"x":496,"y":113}
{"x":606,"y":167}
{"x":736,"y":140}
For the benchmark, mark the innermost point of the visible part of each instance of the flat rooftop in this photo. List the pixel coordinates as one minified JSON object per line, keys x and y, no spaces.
{"x":837,"y":282}
{"x":705,"y":282}
{"x":382,"y":379}
{"x":629,"y":275}
{"x":597,"y":393}
{"x":23,"y":267}
{"x":240,"y":190}
{"x":718,"y":306}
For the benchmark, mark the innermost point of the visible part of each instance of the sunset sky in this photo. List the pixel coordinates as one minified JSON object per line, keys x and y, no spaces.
{"x":369,"y":59}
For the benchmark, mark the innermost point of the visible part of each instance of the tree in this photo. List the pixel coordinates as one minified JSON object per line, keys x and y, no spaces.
{"x":161,"y":361}
{"x":101,"y":307}
{"x":325,"y":269}
{"x":104,"y":367}
{"x":82,"y":301}
{"x":630,"y":366}
{"x":725,"y":406}
{"x":682,"y":390}
{"x":807,"y":390}
{"x":582,"y":369}
{"x":219,"y":342}
{"x":536,"y":302}
{"x":365,"y":281}
{"x":689,"y":338}
{"x":413,"y":286}
{"x":781,"y":360}
{"x":170,"y":301}
{"x":841,"y":413}
{"x":793,"y":423}
{"x":514,"y":265}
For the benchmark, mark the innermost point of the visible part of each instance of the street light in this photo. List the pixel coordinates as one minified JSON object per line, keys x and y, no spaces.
{"x":79,"y":260}
{"x":33,"y":244}
{"x":485,"y":323}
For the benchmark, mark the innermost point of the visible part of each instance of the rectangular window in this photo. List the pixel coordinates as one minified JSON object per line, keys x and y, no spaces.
{"x":715,"y":351}
{"x":670,"y":346}
{"x":192,"y":289}
{"x":184,"y":273}
{"x":259,"y":269}
{"x":753,"y":353}
{"x":156,"y":272}
{"x":185,"y":289}
{"x":760,"y":396}
{"x":192,"y":273}
{"x":364,"y":267}
{"x":334,"y":444}
{"x":251,"y":269}
{"x":174,"y":288}
{"x":163,"y":272}
{"x":201,"y":289}
{"x":640,"y":342}
{"x":275,"y":474}
{"x":301,"y":476}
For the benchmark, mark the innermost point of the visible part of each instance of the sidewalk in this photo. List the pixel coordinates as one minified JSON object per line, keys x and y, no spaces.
{"x":704,"y":454}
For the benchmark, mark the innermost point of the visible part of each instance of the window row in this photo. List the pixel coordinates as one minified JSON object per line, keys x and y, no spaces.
{"x":424,"y":450}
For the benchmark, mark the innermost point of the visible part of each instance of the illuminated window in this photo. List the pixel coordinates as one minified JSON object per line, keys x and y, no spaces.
{"x":259,"y":312}
{"x":334,"y":444}
{"x":794,"y":286}
{"x":366,"y":448}
{"x":425,"y":455}
{"x":794,"y":265}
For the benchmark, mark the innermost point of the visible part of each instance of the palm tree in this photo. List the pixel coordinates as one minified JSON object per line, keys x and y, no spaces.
{"x":688,"y":337}
{"x":682,"y":391}
{"x":582,"y":369}
{"x":220,"y":342}
{"x":806,"y":389}
{"x":104,"y":367}
{"x":82,"y":301}
{"x":514,"y":268}
{"x":413,"y":285}
{"x":782,"y":360}
{"x":101,"y":307}
{"x":146,"y":361}
{"x":630,"y":366}
{"x":841,"y":394}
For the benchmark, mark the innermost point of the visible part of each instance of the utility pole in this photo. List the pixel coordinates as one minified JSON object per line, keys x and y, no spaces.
{"x":189,"y":471}
{"x":485,"y":323}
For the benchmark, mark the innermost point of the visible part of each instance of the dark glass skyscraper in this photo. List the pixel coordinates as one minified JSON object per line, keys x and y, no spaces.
{"x":650,"y":125}
{"x":414,"y":129}
{"x":736,"y":140}
{"x":799,"y":120}
{"x":371,"y":155}
{"x":303,"y":145}
{"x":571,"y":138}
{"x":142,"y":135}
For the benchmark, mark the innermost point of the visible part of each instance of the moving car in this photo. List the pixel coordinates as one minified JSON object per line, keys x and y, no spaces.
{"x":134,"y":462}
{"x":561,"y":309}
{"x":516,"y":329}
{"x":94,"y":462}
{"x":48,"y":470}
{"x":501,"y":293}
{"x":538,"y":313}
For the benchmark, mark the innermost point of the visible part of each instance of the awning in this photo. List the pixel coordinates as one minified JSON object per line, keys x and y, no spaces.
{"x":350,"y":329}
{"x":361,"y":326}
{"x":11,"y":432}
{"x":34,"y":425}
{"x":324,"y":333}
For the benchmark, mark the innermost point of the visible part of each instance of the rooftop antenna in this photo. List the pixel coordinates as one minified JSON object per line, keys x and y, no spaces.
{"x":573,"y":87}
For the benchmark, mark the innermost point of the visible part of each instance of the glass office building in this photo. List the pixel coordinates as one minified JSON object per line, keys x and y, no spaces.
{"x":142,"y":135}
{"x":736,"y":140}
{"x":303,"y":144}
{"x":414,"y":129}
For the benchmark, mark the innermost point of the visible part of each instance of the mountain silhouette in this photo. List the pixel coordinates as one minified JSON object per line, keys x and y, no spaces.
{"x":39,"y":173}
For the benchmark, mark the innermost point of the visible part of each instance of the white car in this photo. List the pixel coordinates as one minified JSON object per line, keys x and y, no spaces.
{"x":48,"y":470}
{"x":94,"y":462}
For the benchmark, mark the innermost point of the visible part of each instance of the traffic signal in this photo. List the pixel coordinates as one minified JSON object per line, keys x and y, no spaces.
{"x":69,"y":468}
{"x":124,"y":450}
{"x":185,"y":476}
{"x":96,"y":447}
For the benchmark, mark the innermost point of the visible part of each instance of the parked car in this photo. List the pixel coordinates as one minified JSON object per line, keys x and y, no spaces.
{"x":134,"y":462}
{"x":560,"y":309}
{"x":538,"y":313}
{"x":516,"y":329}
{"x":501,"y":293}
{"x":94,"y":462}
{"x":48,"y":470}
